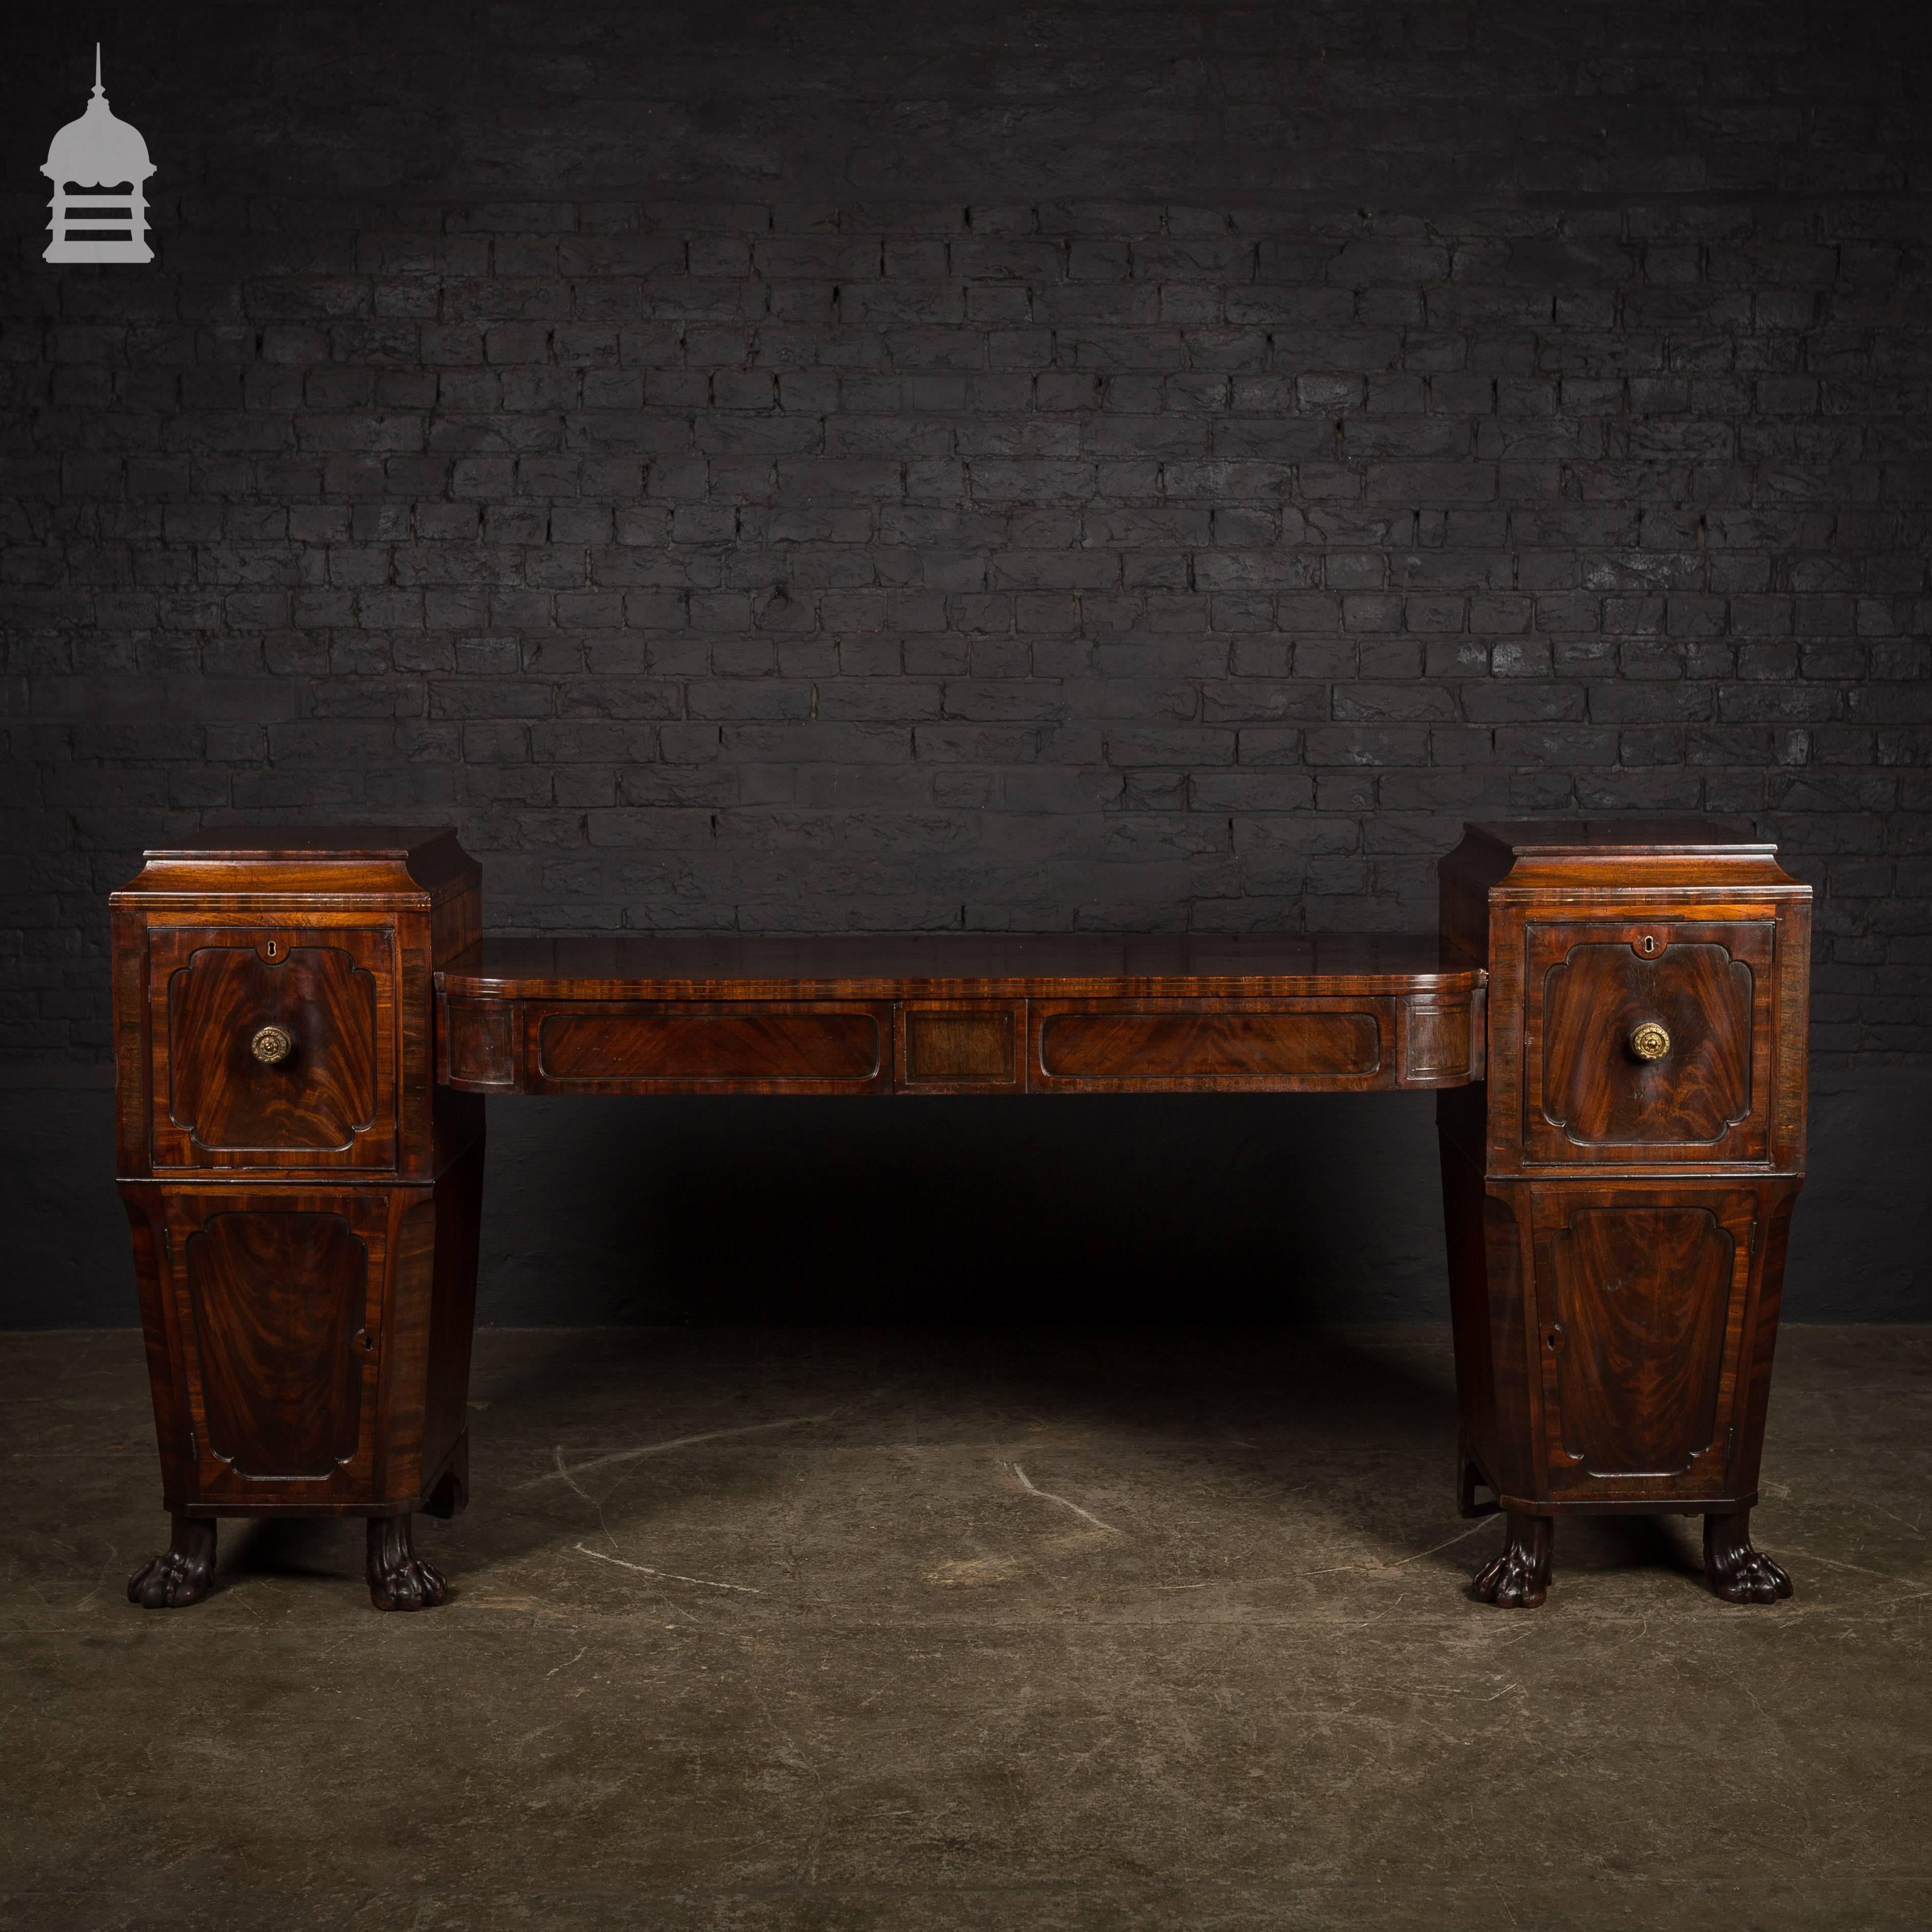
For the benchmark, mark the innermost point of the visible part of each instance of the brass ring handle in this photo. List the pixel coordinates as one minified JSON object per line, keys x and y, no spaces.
{"x":272,"y":1045}
{"x":1649,"y":1040}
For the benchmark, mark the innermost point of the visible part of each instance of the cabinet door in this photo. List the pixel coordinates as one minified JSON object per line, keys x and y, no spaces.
{"x":1642,"y":1301}
{"x":1648,"y":1040}
{"x":277,"y":1304}
{"x":273,"y":1048}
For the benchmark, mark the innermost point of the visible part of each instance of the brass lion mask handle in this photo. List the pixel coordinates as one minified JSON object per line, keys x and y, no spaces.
{"x":272,"y":1045}
{"x":1649,"y":1040}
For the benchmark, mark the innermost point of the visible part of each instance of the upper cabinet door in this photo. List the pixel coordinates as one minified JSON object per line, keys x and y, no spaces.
{"x":273,"y":1048}
{"x":1649,"y":1041}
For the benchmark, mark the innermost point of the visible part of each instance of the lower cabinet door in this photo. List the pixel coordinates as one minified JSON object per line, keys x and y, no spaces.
{"x":1644,"y":1298}
{"x":278,"y":1302}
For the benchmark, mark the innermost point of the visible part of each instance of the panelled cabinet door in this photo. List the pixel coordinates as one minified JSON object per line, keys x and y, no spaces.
{"x":1642,"y":1301}
{"x":273,"y":1048}
{"x":1648,"y":1040}
{"x":278,"y":1302}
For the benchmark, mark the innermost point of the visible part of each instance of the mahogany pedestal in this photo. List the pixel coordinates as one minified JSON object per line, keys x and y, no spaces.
{"x":305,"y":1022}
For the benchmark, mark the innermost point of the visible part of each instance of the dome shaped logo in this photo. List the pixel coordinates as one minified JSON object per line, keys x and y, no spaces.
{"x":98,"y":165}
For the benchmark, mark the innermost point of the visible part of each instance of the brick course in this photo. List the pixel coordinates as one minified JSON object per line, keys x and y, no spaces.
{"x":1110,"y":466}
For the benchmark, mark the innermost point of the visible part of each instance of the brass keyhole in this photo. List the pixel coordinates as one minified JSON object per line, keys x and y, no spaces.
{"x":1648,"y":945}
{"x":272,"y":948}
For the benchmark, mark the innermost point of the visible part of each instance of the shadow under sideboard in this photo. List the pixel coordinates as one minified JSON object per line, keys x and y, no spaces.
{"x":1238,"y":1208}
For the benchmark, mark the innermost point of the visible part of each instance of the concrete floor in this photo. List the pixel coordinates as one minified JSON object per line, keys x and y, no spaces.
{"x":894,"y":1631}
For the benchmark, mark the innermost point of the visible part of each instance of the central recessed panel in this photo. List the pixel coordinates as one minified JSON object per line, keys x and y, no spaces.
{"x":1233,"y":1047}
{"x":756,"y":1045}
{"x":959,"y":1046}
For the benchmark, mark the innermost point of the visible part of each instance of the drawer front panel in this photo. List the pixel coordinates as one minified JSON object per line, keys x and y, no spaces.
{"x":476,"y":1046}
{"x":1648,"y":1040}
{"x":273,"y":1049}
{"x":797,"y":1047}
{"x":1166,"y":1046}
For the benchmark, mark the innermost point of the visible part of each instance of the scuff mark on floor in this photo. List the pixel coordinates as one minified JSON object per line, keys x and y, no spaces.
{"x":668,"y":1576}
{"x":560,"y":1474}
{"x":1047,"y":1495}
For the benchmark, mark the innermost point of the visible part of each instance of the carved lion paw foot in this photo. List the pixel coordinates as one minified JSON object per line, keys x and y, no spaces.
{"x":1736,"y":1572}
{"x":399,"y":1579}
{"x":182,"y":1574}
{"x":1519,"y":1579}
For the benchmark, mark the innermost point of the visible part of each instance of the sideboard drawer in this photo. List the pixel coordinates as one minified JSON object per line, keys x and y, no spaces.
{"x":272,"y":1047}
{"x":775,"y":1045}
{"x":1649,"y":1039}
{"x":1174,"y":1046}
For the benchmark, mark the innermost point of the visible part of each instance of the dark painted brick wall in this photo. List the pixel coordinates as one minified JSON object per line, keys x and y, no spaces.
{"x":1112,"y":465}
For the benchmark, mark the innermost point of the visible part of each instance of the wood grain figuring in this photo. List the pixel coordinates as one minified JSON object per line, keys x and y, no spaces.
{"x":750,"y":1044}
{"x":1758,"y":1347}
{"x":452,"y":1321}
{"x":351,"y":866}
{"x":146,"y":1205}
{"x":279,"y":1307}
{"x":476,"y":1045}
{"x":1438,"y":1039}
{"x":133,"y":1152}
{"x":402,"y":1315}
{"x":1617,"y":1227}
{"x":957,"y":966}
{"x":960,"y":1047}
{"x":1516,"y":906}
{"x":1636,"y":1301}
{"x":1486,"y":1275}
{"x":243,"y":1359}
{"x":1597,"y":1093}
{"x":1632,"y":1372}
{"x":331,"y":1103}
{"x":224,"y":1098}
{"x":1231,"y":1047}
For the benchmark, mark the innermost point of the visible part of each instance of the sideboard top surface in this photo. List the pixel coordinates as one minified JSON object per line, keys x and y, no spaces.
{"x":682,"y":966}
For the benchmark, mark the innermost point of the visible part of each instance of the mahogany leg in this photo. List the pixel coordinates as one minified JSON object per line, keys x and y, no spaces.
{"x":1519,"y":1579}
{"x":399,"y":1579}
{"x":1733,"y":1569}
{"x":183,"y":1573}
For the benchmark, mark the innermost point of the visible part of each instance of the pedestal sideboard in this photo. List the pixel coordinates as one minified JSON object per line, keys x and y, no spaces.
{"x":306,"y":1023}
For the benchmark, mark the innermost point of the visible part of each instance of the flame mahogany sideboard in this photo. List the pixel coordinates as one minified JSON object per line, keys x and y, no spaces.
{"x":306,"y":1023}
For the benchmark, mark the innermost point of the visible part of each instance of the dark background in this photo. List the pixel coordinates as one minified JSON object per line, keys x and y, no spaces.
{"x":1099,"y":465}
